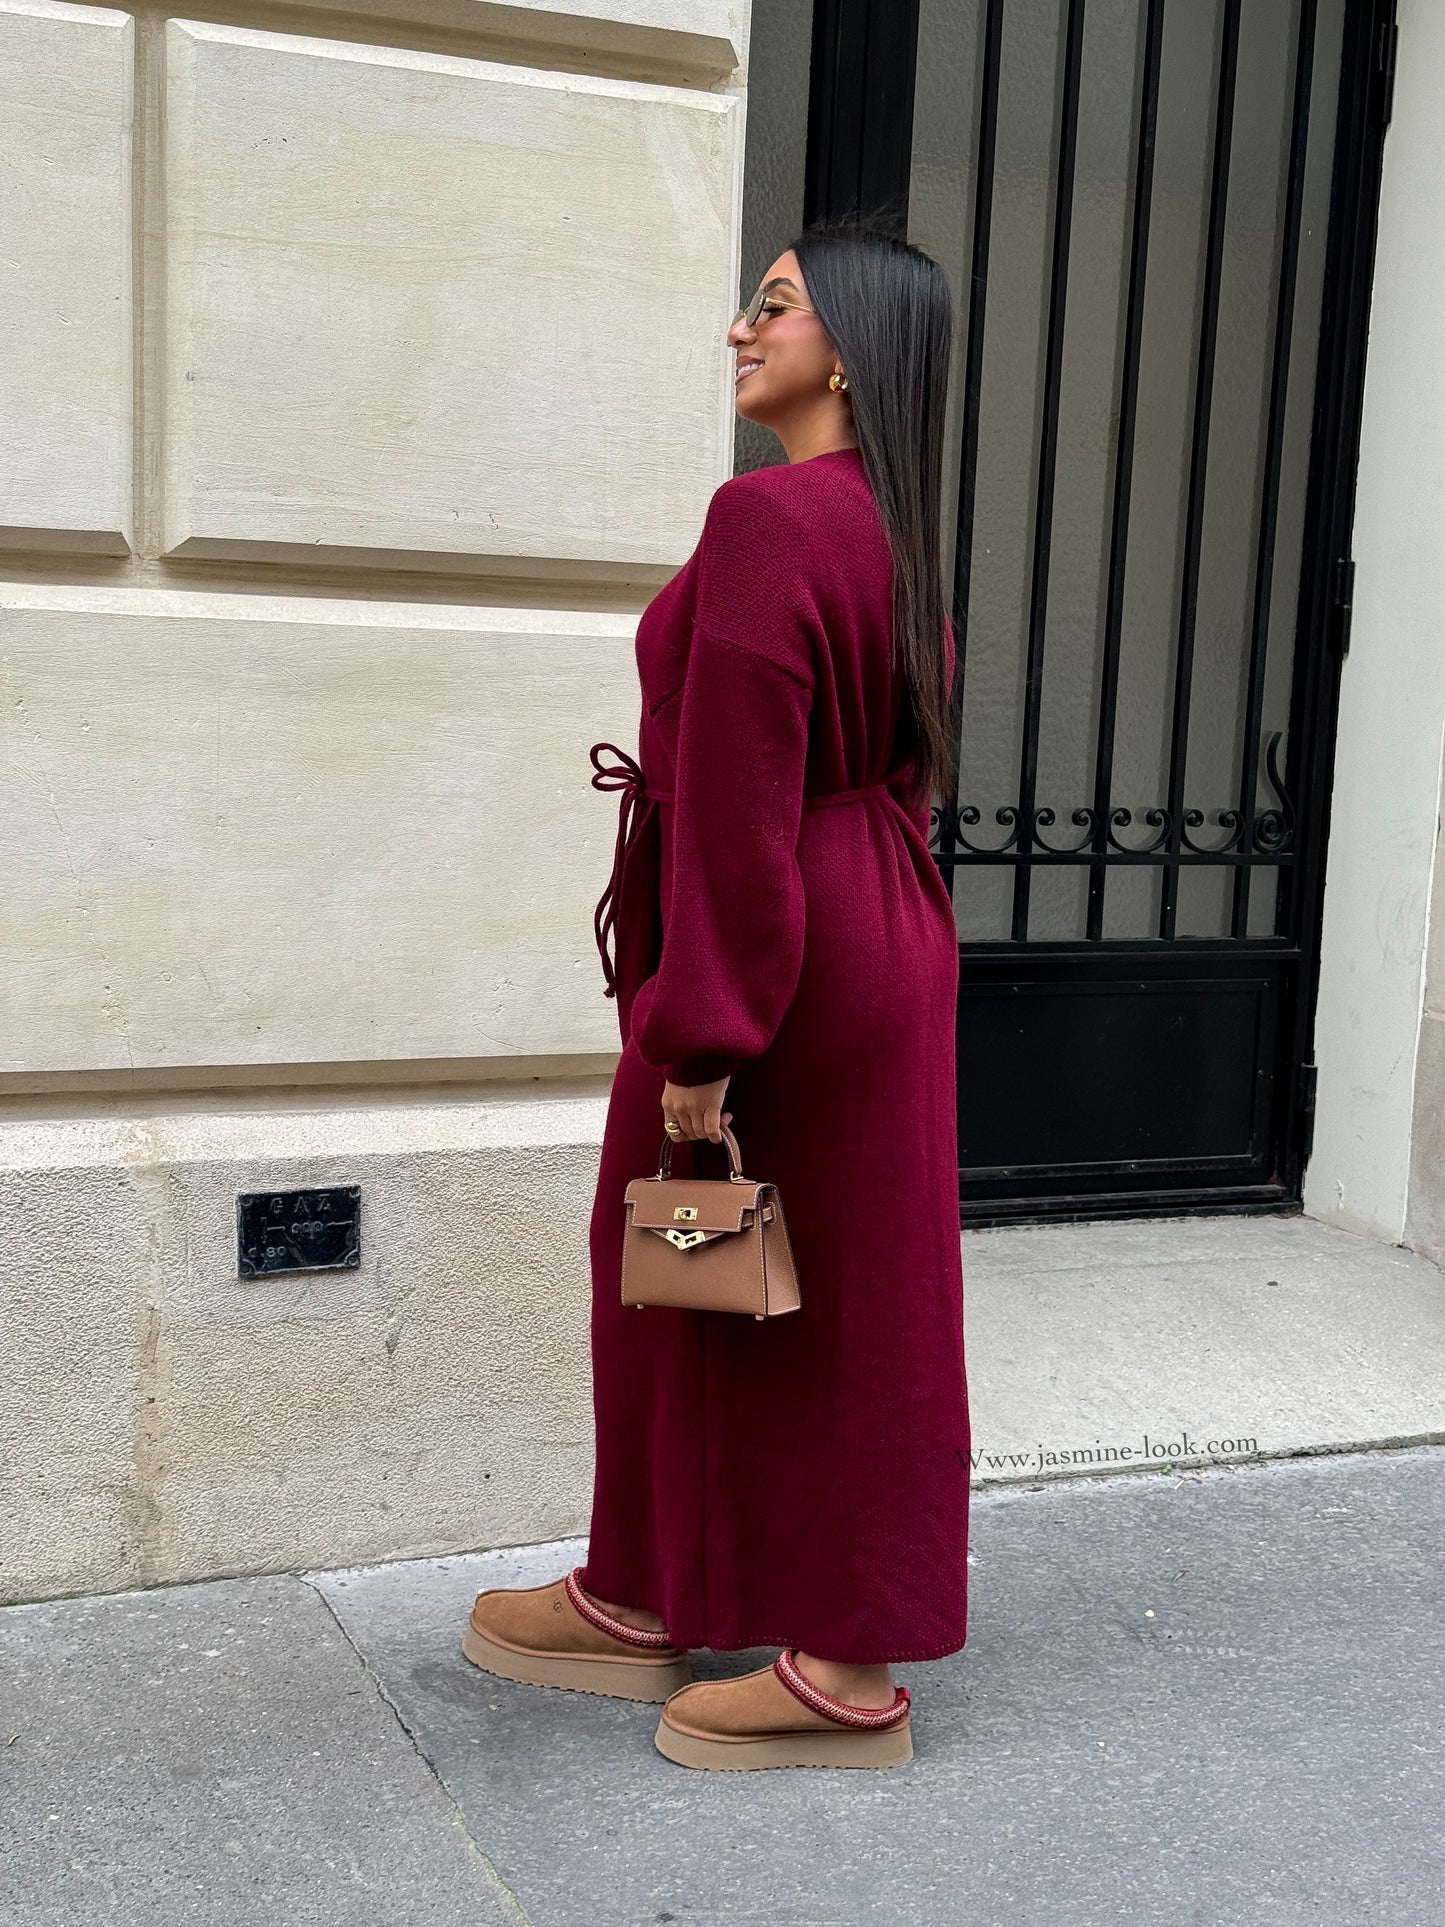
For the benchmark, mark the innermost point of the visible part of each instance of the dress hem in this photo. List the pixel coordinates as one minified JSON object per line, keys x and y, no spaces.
{"x":837,"y":1659}
{"x":746,"y":1644}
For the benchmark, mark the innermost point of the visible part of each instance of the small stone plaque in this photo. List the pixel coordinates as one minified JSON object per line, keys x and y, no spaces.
{"x":298,"y":1230}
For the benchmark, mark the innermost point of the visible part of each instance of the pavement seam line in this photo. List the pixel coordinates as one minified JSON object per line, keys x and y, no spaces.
{"x":380,"y":1685}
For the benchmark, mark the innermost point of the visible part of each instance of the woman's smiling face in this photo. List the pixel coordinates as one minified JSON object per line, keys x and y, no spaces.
{"x":782,"y":363}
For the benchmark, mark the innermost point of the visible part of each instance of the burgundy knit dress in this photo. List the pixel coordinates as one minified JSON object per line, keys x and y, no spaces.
{"x":803,"y":1480}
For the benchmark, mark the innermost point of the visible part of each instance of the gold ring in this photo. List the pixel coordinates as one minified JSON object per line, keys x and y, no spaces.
{"x":673,"y":1130}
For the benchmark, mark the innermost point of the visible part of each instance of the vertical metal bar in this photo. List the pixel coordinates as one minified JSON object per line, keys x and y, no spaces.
{"x":1048,"y":457}
{"x":973,"y":384}
{"x":1148,"y":122}
{"x":886,"y":170}
{"x":1273,"y":463}
{"x":860,"y":110}
{"x":831,"y":124}
{"x":1198,"y":468}
{"x":1334,"y":451}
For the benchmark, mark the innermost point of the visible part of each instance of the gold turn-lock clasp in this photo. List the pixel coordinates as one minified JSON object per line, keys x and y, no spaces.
{"x":684,"y":1211}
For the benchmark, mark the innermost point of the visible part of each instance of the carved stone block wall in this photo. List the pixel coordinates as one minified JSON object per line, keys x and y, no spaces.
{"x":360,"y":384}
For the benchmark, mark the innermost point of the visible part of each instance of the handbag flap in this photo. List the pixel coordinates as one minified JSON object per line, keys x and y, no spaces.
{"x":718,"y":1203}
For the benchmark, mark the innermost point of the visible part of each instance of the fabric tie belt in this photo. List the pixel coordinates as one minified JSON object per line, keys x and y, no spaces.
{"x":634,"y":809}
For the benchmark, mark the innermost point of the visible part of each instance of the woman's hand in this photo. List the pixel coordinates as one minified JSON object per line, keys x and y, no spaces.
{"x":696,"y":1109}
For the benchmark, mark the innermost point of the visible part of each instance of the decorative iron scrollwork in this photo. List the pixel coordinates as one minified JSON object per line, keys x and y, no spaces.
{"x":1265,"y":834}
{"x":1082,"y":818}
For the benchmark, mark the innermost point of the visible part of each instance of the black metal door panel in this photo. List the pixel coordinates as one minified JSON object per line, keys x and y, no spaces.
{"x":1100,"y":1079}
{"x":1158,"y":217}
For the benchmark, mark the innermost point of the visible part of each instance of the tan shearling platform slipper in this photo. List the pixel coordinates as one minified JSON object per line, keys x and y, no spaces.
{"x":555,"y":1635}
{"x":777,"y":1717}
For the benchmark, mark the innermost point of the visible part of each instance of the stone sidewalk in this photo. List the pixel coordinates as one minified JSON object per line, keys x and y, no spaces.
{"x":1207,"y":1691}
{"x":1268,"y":1336}
{"x":1210,"y":1697}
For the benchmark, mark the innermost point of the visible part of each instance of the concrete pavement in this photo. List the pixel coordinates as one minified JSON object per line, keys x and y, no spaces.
{"x":1214,"y":1697}
{"x":1267,"y":1336}
{"x":1199,"y":1689}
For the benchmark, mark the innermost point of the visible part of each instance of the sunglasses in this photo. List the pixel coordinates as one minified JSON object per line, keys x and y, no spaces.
{"x":763,"y":303}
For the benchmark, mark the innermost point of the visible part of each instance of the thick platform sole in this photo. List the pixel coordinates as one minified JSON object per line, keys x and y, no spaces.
{"x":626,"y":1679}
{"x":893,"y":1746}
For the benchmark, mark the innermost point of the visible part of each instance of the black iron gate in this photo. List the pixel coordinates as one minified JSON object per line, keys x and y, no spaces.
{"x":1159,"y":217}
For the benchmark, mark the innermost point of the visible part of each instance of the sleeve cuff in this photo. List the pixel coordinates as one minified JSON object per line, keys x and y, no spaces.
{"x":703,"y":1069}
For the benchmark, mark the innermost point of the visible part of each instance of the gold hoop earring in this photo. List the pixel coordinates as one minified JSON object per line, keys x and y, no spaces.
{"x":837,"y":382}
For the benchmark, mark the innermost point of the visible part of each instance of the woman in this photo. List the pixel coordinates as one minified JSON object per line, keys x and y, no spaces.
{"x":786,"y":946}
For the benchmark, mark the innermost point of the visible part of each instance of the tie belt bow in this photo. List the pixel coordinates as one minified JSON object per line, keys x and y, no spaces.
{"x":635,"y":805}
{"x":633,"y":808}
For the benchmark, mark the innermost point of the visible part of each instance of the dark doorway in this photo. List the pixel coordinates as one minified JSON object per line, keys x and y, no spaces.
{"x":1158,"y":217}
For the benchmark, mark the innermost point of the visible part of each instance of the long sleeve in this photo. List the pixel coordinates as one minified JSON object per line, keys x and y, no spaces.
{"x":732,"y":947}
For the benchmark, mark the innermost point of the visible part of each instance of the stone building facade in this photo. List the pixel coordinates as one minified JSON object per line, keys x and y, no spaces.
{"x":364,"y":374}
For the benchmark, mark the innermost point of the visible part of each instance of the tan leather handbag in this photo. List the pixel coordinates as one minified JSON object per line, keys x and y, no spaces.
{"x":707,"y":1244}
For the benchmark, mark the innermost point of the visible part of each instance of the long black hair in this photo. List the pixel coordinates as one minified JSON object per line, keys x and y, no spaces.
{"x":887,"y":309}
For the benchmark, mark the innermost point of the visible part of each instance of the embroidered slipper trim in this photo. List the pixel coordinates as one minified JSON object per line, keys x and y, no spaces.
{"x":870,"y":1716}
{"x":619,"y":1629}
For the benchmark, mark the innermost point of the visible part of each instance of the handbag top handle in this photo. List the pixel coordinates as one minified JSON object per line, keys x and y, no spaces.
{"x":735,"y":1161}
